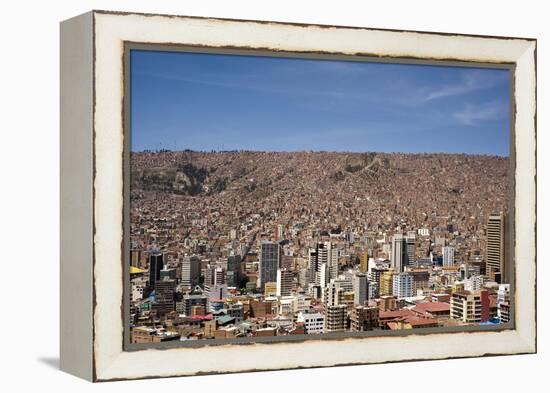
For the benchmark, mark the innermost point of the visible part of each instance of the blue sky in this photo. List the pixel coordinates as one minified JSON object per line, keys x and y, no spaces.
{"x":206,"y":101}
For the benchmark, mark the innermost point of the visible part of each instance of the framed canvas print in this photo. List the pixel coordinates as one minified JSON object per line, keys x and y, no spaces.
{"x":246,"y":195}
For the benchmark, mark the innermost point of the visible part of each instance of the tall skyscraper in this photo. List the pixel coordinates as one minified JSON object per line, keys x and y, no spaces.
{"x":270,"y":257}
{"x":496,"y":250}
{"x":312,"y":267}
{"x":156,"y":264}
{"x":399,"y":255}
{"x":190,"y":271}
{"x":364,"y":262}
{"x":360,"y":289}
{"x":233,"y":272}
{"x":284,"y":282}
{"x":164,"y":299}
{"x":411,"y":248}
{"x":323,"y":261}
{"x":448,"y":256}
{"x":332,"y":262}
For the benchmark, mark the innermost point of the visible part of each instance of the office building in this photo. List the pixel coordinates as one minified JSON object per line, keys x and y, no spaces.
{"x":448,"y":256}
{"x":403,"y":285}
{"x":399,"y":255}
{"x":164,"y":297}
{"x":190,"y":271}
{"x":364,"y":262}
{"x":373,"y":290}
{"x":214,"y":275}
{"x":411,"y":248}
{"x":335,"y":291}
{"x":323,"y":261}
{"x":375,"y":275}
{"x":360,"y":289}
{"x":233,"y":272}
{"x":496,"y":256}
{"x":156,"y":264}
{"x":284,"y":282}
{"x":386,"y":282}
{"x":270,"y":257}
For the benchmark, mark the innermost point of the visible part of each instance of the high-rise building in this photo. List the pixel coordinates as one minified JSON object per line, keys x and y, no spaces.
{"x":312,"y":266}
{"x":324,"y":253}
{"x":335,"y":290}
{"x":332,"y":262}
{"x":156,"y":264}
{"x":284,"y":282}
{"x":215,"y":282}
{"x":164,"y":296}
{"x":375,"y":275}
{"x":233,"y":272}
{"x":386,"y":282}
{"x":364,"y":262}
{"x":360,"y":289}
{"x":270,"y":259}
{"x":448,"y":255}
{"x":496,"y":248}
{"x":190,"y":271}
{"x":403,"y":285}
{"x":399,"y":255}
{"x":411,"y":248}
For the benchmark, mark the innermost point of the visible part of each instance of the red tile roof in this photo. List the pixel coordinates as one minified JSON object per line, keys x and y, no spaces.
{"x":395,"y":314}
{"x":432,"y":307}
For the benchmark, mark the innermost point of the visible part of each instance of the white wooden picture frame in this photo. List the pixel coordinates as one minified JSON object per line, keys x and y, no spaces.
{"x":92,"y":194}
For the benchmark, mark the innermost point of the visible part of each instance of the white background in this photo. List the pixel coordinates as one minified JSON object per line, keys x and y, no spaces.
{"x":29,"y":204}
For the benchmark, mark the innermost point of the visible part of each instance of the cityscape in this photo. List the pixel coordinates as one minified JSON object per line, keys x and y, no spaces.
{"x":230,"y":243}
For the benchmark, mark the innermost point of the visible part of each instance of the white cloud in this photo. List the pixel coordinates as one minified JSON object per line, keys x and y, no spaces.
{"x":473,"y":115}
{"x":471,"y":81}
